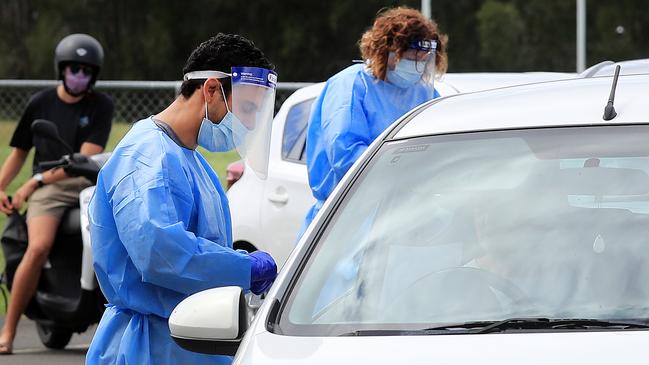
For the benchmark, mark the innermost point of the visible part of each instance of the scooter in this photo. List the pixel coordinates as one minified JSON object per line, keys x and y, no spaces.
{"x":68,"y":299}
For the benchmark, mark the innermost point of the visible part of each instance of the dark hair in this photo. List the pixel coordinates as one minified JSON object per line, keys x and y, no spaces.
{"x":220,"y":53}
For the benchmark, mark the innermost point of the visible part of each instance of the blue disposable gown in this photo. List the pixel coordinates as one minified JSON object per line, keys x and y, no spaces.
{"x":353,"y":109}
{"x":160,"y":228}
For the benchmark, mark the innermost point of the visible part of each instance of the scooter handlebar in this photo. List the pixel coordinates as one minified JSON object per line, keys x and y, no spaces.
{"x":47,"y":165}
{"x":74,"y":165}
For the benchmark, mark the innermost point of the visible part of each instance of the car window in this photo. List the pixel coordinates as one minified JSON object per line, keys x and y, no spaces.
{"x":294,"y":138}
{"x":484,"y":226}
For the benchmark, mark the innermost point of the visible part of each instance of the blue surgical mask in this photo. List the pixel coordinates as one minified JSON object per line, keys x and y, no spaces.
{"x":219,"y":137}
{"x":405,"y":74}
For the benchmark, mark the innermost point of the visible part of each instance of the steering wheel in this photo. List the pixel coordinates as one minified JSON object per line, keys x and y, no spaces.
{"x":461,"y":289}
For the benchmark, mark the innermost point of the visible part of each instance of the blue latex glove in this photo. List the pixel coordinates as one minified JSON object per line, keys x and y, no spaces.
{"x":263,"y":272}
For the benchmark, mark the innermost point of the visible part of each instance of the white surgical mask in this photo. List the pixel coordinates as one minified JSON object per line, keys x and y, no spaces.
{"x":219,"y":137}
{"x":405,"y":74}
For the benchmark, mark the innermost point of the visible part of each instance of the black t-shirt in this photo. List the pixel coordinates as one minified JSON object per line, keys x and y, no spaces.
{"x":88,"y":120}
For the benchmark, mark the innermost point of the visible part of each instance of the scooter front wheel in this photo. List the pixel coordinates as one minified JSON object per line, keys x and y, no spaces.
{"x":53,"y":338}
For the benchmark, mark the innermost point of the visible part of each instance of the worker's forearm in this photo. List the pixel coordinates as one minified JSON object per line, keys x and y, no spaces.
{"x":11,"y":167}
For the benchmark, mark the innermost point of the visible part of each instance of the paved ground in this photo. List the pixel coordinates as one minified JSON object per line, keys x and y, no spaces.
{"x":28,"y":349}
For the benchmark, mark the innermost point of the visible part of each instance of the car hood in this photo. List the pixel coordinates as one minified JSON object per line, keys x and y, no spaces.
{"x":605,"y":347}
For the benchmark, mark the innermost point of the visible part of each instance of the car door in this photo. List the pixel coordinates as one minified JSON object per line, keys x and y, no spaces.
{"x":287,"y":195}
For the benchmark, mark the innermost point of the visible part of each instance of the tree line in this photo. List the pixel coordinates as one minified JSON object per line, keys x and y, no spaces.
{"x":310,"y":40}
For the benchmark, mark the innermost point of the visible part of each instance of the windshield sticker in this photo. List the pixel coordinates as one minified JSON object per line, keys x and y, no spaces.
{"x":411,"y":149}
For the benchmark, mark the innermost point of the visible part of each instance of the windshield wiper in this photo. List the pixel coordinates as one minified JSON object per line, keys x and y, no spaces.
{"x":567,"y":323}
{"x":535,"y":323}
{"x":470,"y":327}
{"x":453,"y":328}
{"x":377,"y":333}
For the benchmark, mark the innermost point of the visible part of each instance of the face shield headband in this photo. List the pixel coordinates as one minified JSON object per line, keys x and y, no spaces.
{"x":253,"y":104}
{"x":426,"y":45}
{"x":425,"y":56}
{"x":202,"y":75}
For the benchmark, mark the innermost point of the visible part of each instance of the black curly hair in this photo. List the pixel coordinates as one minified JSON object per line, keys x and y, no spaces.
{"x":220,"y":53}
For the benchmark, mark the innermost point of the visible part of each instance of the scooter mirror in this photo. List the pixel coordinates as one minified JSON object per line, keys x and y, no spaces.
{"x":47,"y":129}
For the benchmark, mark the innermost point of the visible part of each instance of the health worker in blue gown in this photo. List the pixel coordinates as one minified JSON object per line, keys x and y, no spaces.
{"x":159,"y":219}
{"x":402,"y":53}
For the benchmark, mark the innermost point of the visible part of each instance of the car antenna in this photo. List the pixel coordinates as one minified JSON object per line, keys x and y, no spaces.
{"x":609,"y":110}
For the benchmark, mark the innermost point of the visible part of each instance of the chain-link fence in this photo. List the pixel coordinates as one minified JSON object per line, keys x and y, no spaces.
{"x":133,"y":100}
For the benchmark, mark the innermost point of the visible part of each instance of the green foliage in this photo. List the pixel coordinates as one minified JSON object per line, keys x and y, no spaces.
{"x":551,"y":34}
{"x":311,"y":40}
{"x":501,"y":30}
{"x":630,"y":41}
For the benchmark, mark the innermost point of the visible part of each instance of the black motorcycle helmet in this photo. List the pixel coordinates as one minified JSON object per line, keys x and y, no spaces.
{"x":79,"y":48}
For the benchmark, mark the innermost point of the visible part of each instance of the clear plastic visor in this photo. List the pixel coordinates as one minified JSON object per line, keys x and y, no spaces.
{"x":253,"y":103}
{"x":253,"y":106}
{"x":423,"y":54}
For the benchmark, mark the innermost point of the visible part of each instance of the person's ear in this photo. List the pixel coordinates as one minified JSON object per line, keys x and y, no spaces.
{"x":391,"y":60}
{"x":211,"y":89}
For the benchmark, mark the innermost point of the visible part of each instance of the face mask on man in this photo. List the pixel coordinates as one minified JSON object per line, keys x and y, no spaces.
{"x":405,"y":73}
{"x":76,"y":83}
{"x":219,"y":137}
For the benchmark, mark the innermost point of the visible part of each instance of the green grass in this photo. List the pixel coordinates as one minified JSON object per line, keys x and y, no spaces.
{"x":218,"y":161}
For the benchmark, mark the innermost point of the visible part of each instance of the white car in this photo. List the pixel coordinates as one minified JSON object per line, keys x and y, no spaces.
{"x":267,"y":214}
{"x":512,"y":230}
{"x":607,"y":68}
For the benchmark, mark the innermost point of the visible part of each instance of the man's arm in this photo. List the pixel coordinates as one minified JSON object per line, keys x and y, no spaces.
{"x":10,"y":169}
{"x":50,"y":176}
{"x":151,"y":216}
{"x":56,"y":174}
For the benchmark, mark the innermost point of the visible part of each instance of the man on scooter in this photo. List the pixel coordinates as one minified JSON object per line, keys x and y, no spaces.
{"x":83,"y":117}
{"x":160,"y":220}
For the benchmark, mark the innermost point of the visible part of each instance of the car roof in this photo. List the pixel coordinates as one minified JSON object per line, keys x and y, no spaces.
{"x":607,"y":68}
{"x":462,"y":82}
{"x":307,"y":92}
{"x":553,"y":103}
{"x":453,"y":83}
{"x":477,"y":81}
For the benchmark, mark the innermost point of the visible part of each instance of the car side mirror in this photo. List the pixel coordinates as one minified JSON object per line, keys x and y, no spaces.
{"x":211,"y":322}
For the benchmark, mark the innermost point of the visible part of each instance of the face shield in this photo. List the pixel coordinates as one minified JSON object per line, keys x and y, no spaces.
{"x":421,"y":54}
{"x":253,"y":103}
{"x":424,"y":55}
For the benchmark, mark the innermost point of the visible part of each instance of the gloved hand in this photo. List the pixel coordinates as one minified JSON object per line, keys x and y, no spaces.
{"x":263,"y":272}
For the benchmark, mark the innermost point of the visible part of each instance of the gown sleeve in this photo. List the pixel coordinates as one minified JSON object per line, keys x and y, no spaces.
{"x":345,"y":129}
{"x":150,"y":212}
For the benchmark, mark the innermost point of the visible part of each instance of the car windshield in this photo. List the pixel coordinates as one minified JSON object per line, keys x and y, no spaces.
{"x":483,"y":226}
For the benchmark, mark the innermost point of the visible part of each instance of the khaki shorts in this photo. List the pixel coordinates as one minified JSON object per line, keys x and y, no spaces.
{"x":54,"y":199}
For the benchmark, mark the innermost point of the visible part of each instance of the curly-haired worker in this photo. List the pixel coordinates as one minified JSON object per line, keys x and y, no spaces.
{"x":159,"y":219}
{"x":402,"y":52}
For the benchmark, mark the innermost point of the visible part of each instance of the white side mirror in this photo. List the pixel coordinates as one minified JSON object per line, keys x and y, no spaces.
{"x":211,"y":322}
